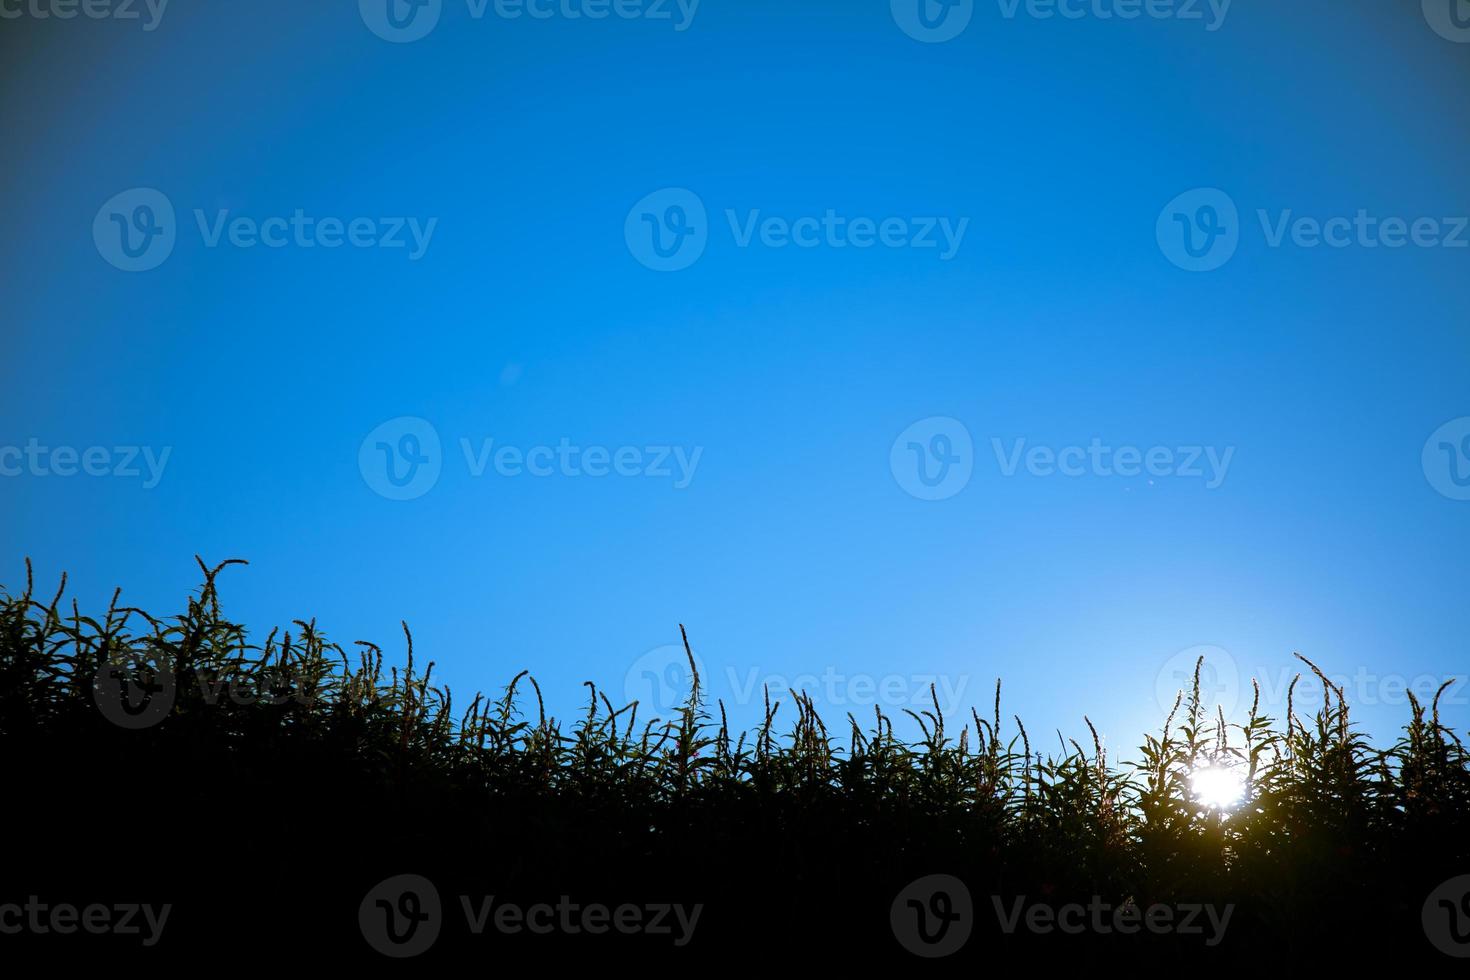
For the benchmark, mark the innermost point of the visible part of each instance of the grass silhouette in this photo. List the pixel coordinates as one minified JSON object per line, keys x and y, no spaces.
{"x":288,"y":775}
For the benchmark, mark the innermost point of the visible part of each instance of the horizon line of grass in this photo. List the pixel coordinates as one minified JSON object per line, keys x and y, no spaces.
{"x":1316,"y":784}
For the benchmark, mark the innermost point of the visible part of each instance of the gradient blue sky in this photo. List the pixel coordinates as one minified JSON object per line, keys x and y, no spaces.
{"x":794,"y":549}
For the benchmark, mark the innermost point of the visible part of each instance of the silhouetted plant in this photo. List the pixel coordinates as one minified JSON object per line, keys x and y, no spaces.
{"x":1323,"y":814}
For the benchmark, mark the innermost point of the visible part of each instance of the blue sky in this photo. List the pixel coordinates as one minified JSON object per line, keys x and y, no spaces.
{"x":795,"y":538}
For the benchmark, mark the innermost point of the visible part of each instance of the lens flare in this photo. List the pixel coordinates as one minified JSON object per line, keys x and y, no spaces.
{"x":1220,"y":787}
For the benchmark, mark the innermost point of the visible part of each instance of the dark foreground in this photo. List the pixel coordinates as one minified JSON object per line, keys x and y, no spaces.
{"x":179,"y":792}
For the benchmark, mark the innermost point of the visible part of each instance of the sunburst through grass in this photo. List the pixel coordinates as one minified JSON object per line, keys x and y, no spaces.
{"x":1220,"y":787}
{"x":1329,"y":819}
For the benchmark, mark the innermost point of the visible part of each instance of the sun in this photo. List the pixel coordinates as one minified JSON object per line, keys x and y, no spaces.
{"x":1219,"y":787}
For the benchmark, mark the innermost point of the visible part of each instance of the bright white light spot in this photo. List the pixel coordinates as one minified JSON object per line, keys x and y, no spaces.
{"x":1220,"y":787}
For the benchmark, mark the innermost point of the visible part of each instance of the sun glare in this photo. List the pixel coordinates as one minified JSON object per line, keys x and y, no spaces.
{"x":1220,"y":787}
